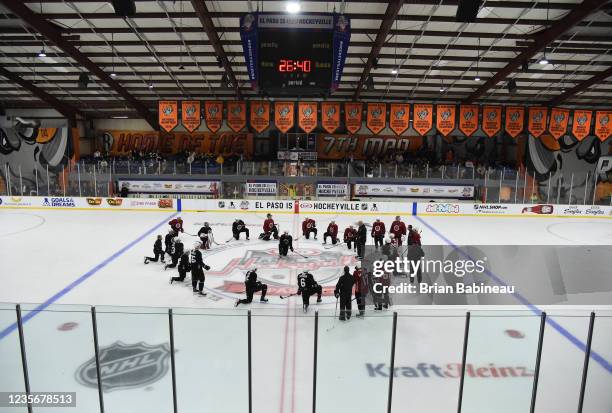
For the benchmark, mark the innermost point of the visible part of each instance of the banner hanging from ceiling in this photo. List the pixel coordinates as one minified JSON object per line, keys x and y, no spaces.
{"x":307,"y":116}
{"x":190,"y":114}
{"x":581,"y":125}
{"x":399,"y":117}
{"x":515,"y":120}
{"x":468,"y":119}
{"x":603,"y":124}
{"x":559,"y":119}
{"x":260,"y":115}
{"x":236,"y":115}
{"x":330,"y":116}
{"x":283,"y":115}
{"x":353,"y":112}
{"x":491,"y":120}
{"x":213,"y":115}
{"x":445,"y":119}
{"x":377,"y":117}
{"x":168,"y":114}
{"x":537,"y":120}
{"x":423,"y":118}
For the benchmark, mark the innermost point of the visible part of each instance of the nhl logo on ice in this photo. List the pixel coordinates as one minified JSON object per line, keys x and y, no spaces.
{"x":126,"y":366}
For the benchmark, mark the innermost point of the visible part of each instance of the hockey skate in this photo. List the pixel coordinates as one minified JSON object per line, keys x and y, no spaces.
{"x":263,"y":300}
{"x":146,"y":260}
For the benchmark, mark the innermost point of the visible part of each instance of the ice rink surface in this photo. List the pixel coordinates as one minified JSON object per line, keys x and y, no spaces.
{"x":96,"y":258}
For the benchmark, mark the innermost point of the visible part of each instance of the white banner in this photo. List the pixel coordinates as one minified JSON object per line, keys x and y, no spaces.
{"x":88,"y":203}
{"x":170,"y":187}
{"x":237,"y":205}
{"x":414,"y":191}
{"x":367,"y":208}
{"x":332,"y":189}
{"x":301,"y":21}
{"x":261,"y":188}
{"x":516,"y":210}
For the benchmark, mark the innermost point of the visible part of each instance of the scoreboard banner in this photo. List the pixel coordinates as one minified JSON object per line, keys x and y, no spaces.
{"x":250,"y":46}
{"x":342,"y":38}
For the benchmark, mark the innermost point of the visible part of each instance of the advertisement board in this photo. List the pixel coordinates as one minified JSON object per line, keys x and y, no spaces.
{"x":514,"y":210}
{"x":399,"y":190}
{"x":173,"y":187}
{"x":334,"y":189}
{"x":238,"y":206}
{"x":261,"y":188}
{"x":89,"y":203}
{"x":352,"y":207}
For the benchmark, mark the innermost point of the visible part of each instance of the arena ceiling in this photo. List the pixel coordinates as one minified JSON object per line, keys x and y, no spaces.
{"x":412,"y":50}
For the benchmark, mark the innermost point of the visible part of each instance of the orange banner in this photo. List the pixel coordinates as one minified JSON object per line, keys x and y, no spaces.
{"x":190,"y":114}
{"x":353,"y":116}
{"x":445,"y":118}
{"x":399,"y":117}
{"x":581,"y":126}
{"x":213,"y":114}
{"x":515,"y":120}
{"x":283,"y":115}
{"x":423,"y":118}
{"x":260,"y":115}
{"x":468,"y":119}
{"x":330,"y":116}
{"x":537,"y":121}
{"x":168,"y":114}
{"x":236,"y":115}
{"x":376,"y":119}
{"x":491,"y":120}
{"x":365,"y":147}
{"x":603,"y":124}
{"x":307,"y":116}
{"x":224,"y":143}
{"x":559,"y":119}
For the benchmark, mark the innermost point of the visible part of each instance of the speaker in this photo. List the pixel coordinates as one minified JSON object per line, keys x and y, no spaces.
{"x":467,"y":11}
{"x":369,"y":83}
{"x":512,"y":86}
{"x":83,"y":80}
{"x":124,"y":8}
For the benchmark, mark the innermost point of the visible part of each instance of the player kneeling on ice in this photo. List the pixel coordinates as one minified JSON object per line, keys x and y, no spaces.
{"x":197,"y":269}
{"x":168,"y":240}
{"x":252,"y":286}
{"x":269,"y":228}
{"x":332,"y":231}
{"x":157,"y":251}
{"x":350,"y":237}
{"x":309,"y":226}
{"x":361,"y":289}
{"x":176,"y":250}
{"x":183,"y":267}
{"x":176,"y":225}
{"x":238,"y":228}
{"x":344,"y":292}
{"x":205,"y":235}
{"x":307,"y":286}
{"x":285,"y":243}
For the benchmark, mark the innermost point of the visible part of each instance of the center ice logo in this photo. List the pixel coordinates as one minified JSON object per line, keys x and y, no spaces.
{"x":126,"y":366}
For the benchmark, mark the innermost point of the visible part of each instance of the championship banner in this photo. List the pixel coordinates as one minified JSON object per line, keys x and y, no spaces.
{"x":445,"y":118}
{"x":515,"y":120}
{"x":337,"y":147}
{"x":330,"y":116}
{"x":213,"y":114}
{"x":537,"y":121}
{"x":399,"y":117}
{"x":261,"y":188}
{"x":283,"y":115}
{"x":491,"y":120}
{"x":190,"y":114}
{"x":423,"y":118}
{"x":581,"y":125}
{"x":558,"y":122}
{"x":603,"y":124}
{"x":468,"y":119}
{"x":168,"y":114}
{"x":260,"y":115}
{"x":236,"y":115}
{"x":377,"y":117}
{"x":332,"y":189}
{"x":307,"y":116}
{"x":352,"y":116}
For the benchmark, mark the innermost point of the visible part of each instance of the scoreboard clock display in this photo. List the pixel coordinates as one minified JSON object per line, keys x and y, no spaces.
{"x":295,"y":55}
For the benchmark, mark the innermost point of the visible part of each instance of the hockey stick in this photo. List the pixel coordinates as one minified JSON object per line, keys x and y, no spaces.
{"x":335,"y":316}
{"x":287,"y":296}
{"x":303,"y":256}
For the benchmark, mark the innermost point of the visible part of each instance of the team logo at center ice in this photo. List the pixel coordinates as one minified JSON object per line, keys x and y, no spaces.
{"x":126,"y":366}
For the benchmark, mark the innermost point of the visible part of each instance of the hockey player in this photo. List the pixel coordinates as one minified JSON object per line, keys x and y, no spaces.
{"x":197,"y":269}
{"x":183,"y":268}
{"x":398,"y":229}
{"x":157,"y":250}
{"x":414,"y":237}
{"x":350,"y":236}
{"x":205,"y":235}
{"x":378,"y":233}
{"x":177,"y":250}
{"x":309,"y":226}
{"x":285,"y":243}
{"x":361,"y":289}
{"x":269,"y":228}
{"x":238,"y":227}
{"x":344,"y":291}
{"x":381,"y":298}
{"x":332,"y":232}
{"x":168,"y":240}
{"x":361,"y":239}
{"x":176,"y":225}
{"x":252,"y":286}
{"x":307,"y":286}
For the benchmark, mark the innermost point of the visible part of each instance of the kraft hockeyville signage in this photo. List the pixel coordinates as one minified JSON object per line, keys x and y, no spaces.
{"x":424,"y":370}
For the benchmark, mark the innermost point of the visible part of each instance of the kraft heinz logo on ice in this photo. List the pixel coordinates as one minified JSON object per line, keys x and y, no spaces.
{"x":443,"y":208}
{"x":450,"y":370}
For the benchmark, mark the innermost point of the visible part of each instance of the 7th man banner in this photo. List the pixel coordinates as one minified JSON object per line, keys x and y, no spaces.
{"x":307,"y":116}
{"x":168,"y":114}
{"x":283,"y":115}
{"x":330,"y":116}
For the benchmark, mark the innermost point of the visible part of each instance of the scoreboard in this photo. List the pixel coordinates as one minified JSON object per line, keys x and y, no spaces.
{"x":295,"y":55}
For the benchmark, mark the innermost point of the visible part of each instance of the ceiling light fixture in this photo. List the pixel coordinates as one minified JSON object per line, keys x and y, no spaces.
{"x":42,"y":53}
{"x":394,"y":71}
{"x":293,"y":7}
{"x":543,"y":60}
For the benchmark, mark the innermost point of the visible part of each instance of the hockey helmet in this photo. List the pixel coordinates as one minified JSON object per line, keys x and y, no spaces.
{"x":197,"y":245}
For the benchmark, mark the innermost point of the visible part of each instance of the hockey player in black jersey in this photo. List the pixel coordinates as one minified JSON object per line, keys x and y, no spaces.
{"x":285,"y":243}
{"x":307,"y":286}
{"x":176,"y":250}
{"x":183,"y":268}
{"x":252,"y":286}
{"x":197,"y":269}
{"x":157,"y":250}
{"x":238,"y":227}
{"x":206,"y":236}
{"x":168,"y":242}
{"x":344,"y":291}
